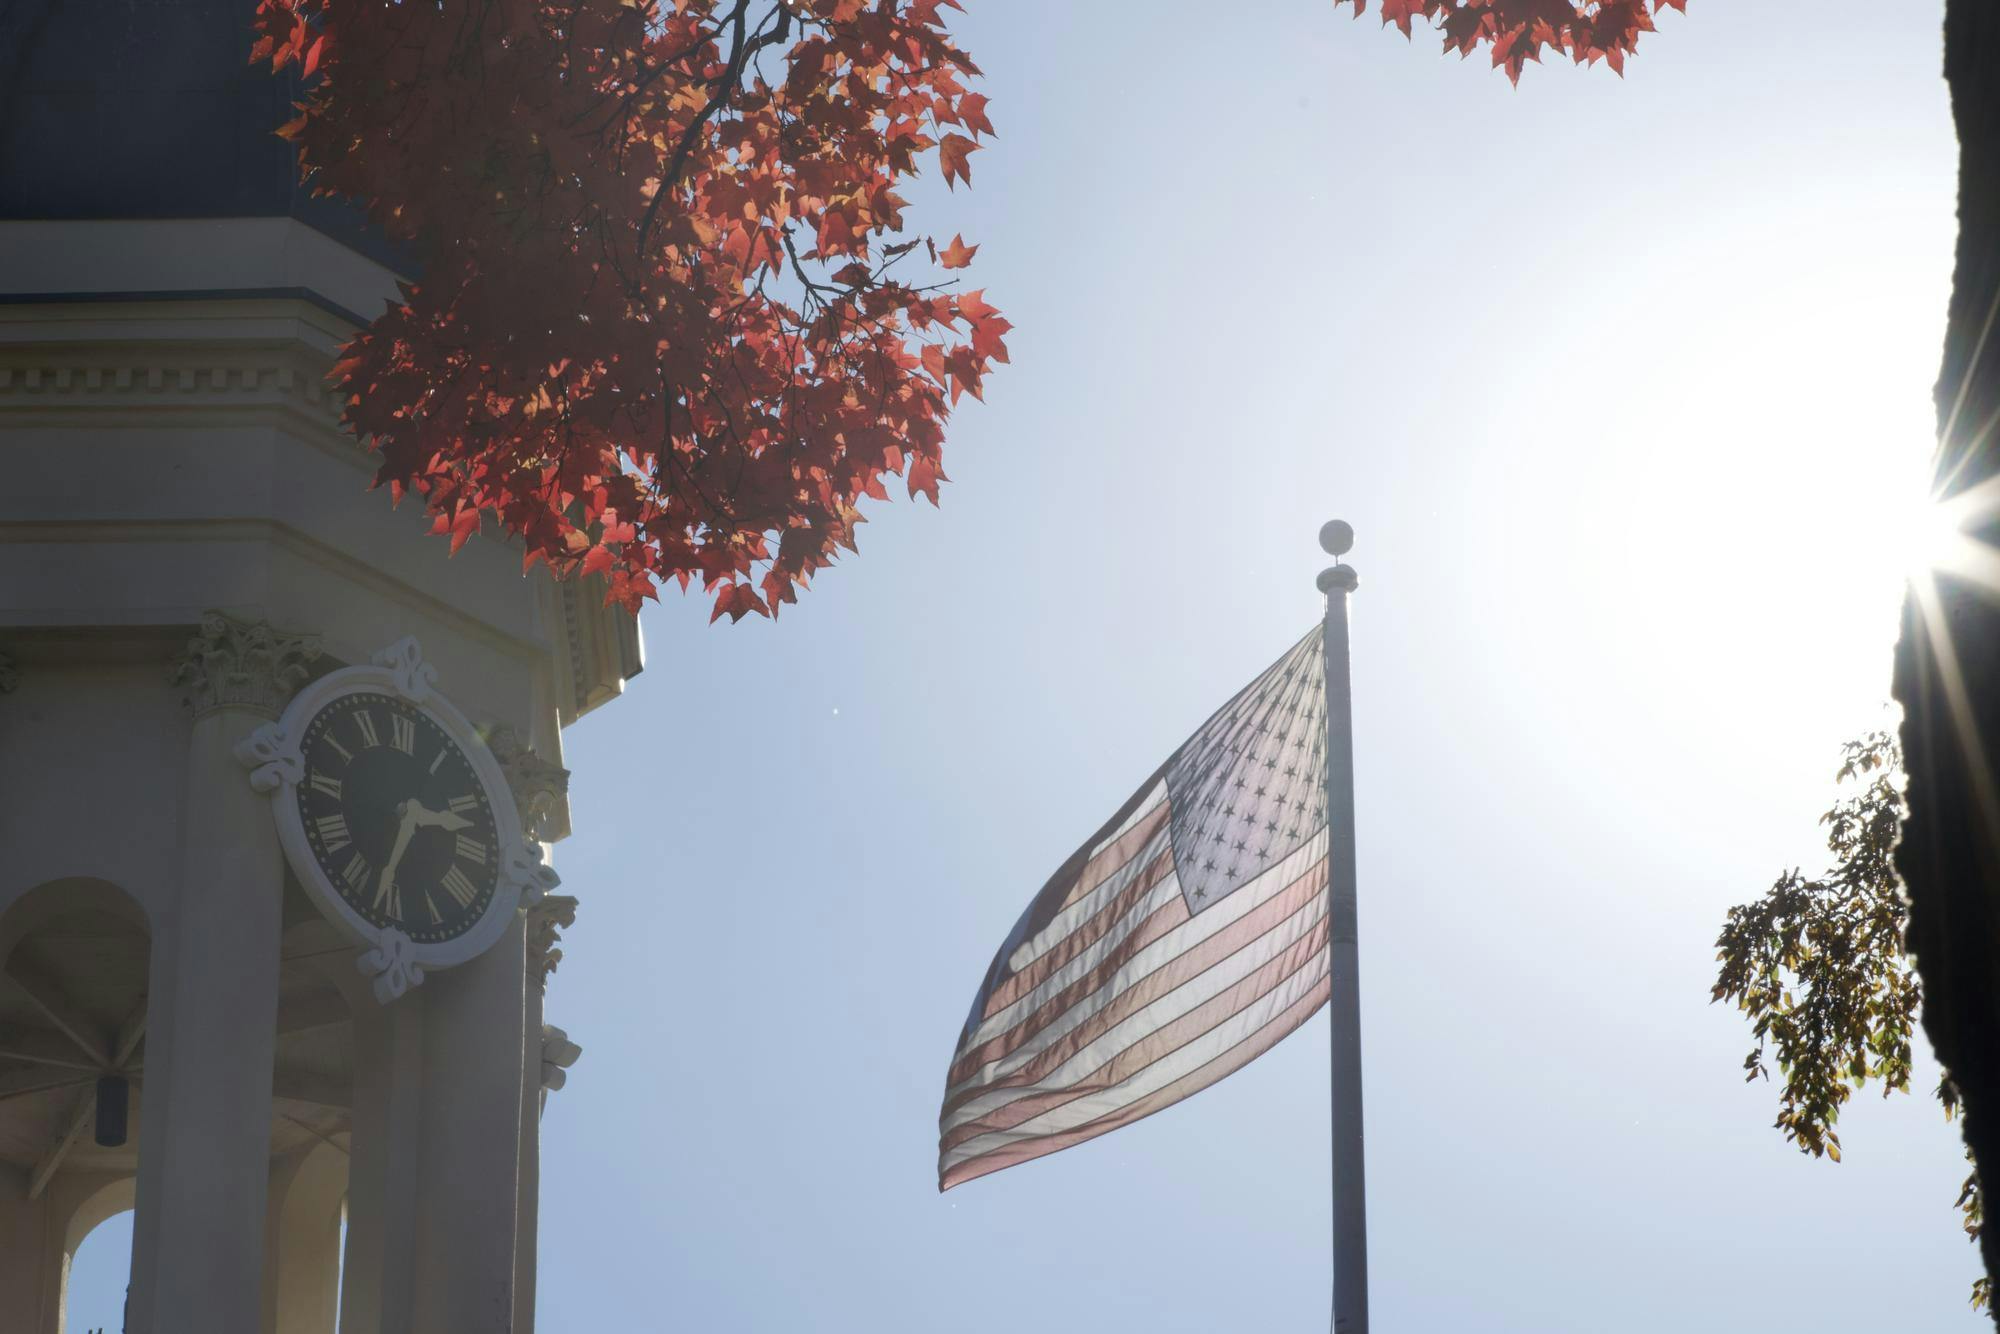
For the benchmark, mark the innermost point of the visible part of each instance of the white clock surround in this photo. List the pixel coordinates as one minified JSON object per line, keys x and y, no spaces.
{"x":390,"y":959}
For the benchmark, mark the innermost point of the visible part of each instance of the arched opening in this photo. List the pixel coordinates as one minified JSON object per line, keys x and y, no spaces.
{"x":305,"y":1240}
{"x":74,"y":958}
{"x":100,"y":1276}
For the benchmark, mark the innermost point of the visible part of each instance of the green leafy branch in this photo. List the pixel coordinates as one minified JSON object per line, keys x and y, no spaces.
{"x":1819,"y":967}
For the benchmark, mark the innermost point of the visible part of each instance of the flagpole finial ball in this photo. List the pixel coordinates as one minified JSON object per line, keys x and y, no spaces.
{"x":1336,"y":537}
{"x":1341,"y":577}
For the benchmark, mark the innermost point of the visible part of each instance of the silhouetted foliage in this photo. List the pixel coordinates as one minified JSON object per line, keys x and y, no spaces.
{"x":1819,"y":966}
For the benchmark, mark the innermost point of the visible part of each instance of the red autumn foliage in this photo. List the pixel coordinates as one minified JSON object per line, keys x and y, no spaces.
{"x":957,"y":255}
{"x":1519,"y":30}
{"x":662,"y":329}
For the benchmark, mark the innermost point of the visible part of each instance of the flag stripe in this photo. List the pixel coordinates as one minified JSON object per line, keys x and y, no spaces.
{"x":1168,"y":917}
{"x":1137,"y":930}
{"x":1113,"y":900}
{"x":1093,"y":882}
{"x":1121,"y":961}
{"x":1155,"y":793}
{"x":1194,"y":1052}
{"x":1085,"y":1025}
{"x":956,"y":1170}
{"x":1170,"y":1034}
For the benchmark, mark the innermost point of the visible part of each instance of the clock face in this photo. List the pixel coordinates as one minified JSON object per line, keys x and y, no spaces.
{"x":396,"y":817}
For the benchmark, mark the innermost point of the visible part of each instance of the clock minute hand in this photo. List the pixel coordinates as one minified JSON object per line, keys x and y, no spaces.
{"x":408,"y":810}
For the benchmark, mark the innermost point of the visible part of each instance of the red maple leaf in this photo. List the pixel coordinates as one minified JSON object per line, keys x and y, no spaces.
{"x":1520,"y":30}
{"x":958,"y":254}
{"x":658,"y":333}
{"x":952,"y":150}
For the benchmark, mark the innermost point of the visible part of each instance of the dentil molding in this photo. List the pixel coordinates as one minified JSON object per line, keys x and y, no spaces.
{"x":112,"y":380}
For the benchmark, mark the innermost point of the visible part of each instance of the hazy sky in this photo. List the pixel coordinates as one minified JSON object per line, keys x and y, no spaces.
{"x":1624,"y":386}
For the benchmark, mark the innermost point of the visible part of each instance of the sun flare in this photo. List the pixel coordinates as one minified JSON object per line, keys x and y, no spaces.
{"x":1938,"y":536}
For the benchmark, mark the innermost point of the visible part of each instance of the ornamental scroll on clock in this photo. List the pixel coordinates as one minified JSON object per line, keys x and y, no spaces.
{"x":396,"y":817}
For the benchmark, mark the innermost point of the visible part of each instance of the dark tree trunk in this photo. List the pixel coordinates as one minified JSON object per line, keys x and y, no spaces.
{"x":1950,"y":853}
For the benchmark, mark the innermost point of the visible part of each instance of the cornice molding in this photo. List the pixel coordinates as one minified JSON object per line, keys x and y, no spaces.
{"x":252,"y":360}
{"x":603,"y":642}
{"x":113,"y":379}
{"x":296,"y":541}
{"x":185,"y":295}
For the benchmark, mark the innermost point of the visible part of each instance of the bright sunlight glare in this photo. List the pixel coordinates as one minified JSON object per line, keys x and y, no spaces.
{"x":1726,"y":524}
{"x":1938,"y":539}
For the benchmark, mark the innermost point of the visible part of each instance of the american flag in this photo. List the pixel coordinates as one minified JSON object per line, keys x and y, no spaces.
{"x":1182,"y":941}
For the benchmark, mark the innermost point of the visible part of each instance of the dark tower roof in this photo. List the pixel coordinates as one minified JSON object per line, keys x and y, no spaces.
{"x":150,"y":109}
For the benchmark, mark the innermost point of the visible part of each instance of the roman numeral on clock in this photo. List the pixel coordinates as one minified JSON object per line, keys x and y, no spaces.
{"x":345,"y":753}
{"x":471,"y":850}
{"x":460,"y":805}
{"x":355,"y":873}
{"x":328,"y":784}
{"x":460,"y":889}
{"x":403,"y":735}
{"x":364,"y":723}
{"x":333,"y":835}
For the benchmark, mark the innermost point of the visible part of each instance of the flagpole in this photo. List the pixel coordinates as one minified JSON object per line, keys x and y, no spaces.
{"x":1350,"y":1199}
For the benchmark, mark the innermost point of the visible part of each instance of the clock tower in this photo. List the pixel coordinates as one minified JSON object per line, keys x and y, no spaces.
{"x":279,"y":782}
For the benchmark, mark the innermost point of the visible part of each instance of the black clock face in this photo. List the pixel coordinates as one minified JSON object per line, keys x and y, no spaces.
{"x":396,"y":818}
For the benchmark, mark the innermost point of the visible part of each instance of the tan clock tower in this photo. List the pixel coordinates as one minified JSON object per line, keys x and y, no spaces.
{"x":278,"y":781}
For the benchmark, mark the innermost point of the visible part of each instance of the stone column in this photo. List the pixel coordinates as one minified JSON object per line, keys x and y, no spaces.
{"x":198,"y":1237}
{"x":32,"y":1263}
{"x":469,"y":1165}
{"x":539,"y":788}
{"x":378,"y":1273}
{"x":545,"y":922}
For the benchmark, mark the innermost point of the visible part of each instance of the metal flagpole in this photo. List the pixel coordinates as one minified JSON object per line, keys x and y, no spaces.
{"x":1350,"y":1197}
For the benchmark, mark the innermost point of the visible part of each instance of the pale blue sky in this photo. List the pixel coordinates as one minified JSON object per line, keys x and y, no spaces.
{"x":1623,"y":385}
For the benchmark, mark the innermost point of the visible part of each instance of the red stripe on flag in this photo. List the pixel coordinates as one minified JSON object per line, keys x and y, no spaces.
{"x":1194,"y":1081}
{"x":1103,"y":865}
{"x":1087,"y":933}
{"x":1158,"y":1045}
{"x":1238,"y":935}
{"x":1169,"y":916}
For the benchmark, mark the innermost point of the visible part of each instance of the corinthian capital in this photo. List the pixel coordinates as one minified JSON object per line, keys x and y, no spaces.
{"x":242,"y":664}
{"x":539,"y":787}
{"x":545,"y":922}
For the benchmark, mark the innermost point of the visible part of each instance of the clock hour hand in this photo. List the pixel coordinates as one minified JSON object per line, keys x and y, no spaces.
{"x":429,"y":819}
